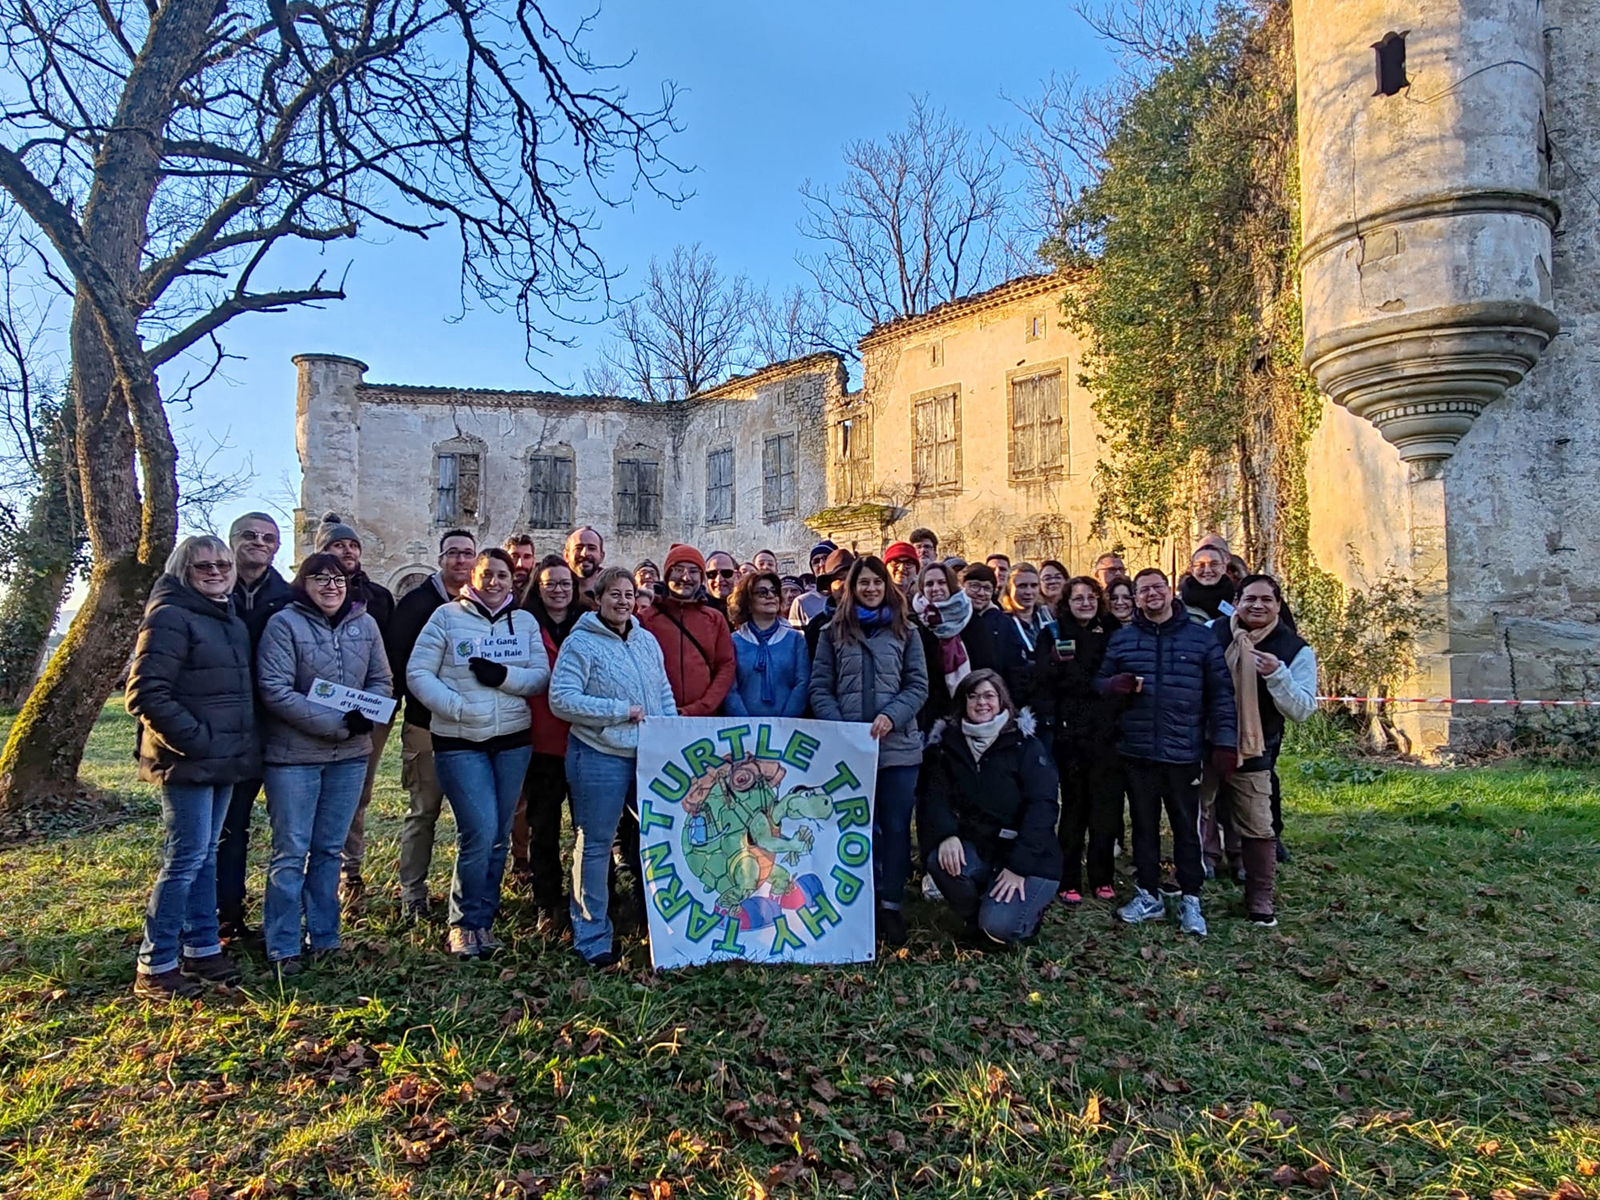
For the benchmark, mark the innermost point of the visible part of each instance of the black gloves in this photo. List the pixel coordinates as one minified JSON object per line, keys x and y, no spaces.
{"x":490,"y":674}
{"x":357,"y":723}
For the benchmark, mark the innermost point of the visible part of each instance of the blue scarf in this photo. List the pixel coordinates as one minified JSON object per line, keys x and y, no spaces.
{"x":764,"y":657}
{"x":874,"y":618}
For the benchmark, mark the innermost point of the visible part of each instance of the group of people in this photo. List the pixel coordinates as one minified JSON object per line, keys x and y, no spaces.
{"x":1019,"y":712}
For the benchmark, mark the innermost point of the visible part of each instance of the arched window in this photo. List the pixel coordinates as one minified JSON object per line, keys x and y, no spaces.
{"x":1391,"y":56}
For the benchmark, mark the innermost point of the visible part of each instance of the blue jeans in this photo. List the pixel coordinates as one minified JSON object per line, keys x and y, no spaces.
{"x":309,"y":806}
{"x":482,"y":788}
{"x":891,"y":832}
{"x":602,"y":785}
{"x":182,"y":914}
{"x":968,"y":895}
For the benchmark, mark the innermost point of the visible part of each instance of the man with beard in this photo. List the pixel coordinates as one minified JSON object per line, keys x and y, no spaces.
{"x":722,"y":576}
{"x":259,"y":592}
{"x":458,"y":550}
{"x":830,"y":583}
{"x":585,"y":553}
{"x":340,"y":540}
{"x":520,"y":547}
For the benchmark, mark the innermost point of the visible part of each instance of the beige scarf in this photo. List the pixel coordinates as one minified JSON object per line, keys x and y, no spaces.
{"x":1241,"y":664}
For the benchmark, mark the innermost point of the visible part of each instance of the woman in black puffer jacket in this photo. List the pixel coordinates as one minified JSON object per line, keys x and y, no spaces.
{"x":191,"y":689}
{"x":1085,"y":727}
{"x":987,"y":821}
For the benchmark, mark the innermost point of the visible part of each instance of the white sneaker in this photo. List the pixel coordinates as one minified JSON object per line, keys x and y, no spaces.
{"x":930,"y":889}
{"x":1189,"y":918}
{"x":1143,"y":907}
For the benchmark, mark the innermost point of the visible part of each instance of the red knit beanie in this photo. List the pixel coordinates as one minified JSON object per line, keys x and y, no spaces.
{"x":680,"y":553}
{"x":900,"y":550}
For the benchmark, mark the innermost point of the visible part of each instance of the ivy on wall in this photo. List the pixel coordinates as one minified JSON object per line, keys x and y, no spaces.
{"x":1193,"y":307}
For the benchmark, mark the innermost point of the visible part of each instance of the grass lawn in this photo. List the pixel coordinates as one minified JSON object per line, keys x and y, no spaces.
{"x":1424,"y":1022}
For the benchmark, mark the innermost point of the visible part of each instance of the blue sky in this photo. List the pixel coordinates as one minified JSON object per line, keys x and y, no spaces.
{"x":770,"y":94}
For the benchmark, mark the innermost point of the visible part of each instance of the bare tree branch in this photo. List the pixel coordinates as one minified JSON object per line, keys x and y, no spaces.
{"x":918,"y":219}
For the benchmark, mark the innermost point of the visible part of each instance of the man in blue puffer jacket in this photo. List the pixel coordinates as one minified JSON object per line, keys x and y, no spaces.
{"x":1179,"y":705}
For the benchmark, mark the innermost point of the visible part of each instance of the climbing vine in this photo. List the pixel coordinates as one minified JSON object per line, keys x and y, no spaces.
{"x":1193,"y":306}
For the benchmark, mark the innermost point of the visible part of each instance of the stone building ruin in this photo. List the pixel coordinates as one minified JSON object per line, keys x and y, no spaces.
{"x":1450,"y":274}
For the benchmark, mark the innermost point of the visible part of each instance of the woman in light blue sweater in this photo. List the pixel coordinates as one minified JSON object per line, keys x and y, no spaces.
{"x":608,"y":677}
{"x":773,"y":668}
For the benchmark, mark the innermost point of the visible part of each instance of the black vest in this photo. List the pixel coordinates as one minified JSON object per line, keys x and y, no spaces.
{"x":1284,"y":643}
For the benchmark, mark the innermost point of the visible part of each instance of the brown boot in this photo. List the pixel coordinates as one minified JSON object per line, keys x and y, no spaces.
{"x":166,"y":985}
{"x":1260,"y":868}
{"x":214,"y":968}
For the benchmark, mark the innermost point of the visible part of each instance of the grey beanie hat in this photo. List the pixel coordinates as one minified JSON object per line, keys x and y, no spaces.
{"x":333,"y":529}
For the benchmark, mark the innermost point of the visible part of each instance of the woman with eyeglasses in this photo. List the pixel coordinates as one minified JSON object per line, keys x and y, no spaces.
{"x":1022,"y":648}
{"x":315,"y":753}
{"x":772,"y":670}
{"x":1119,"y":598}
{"x":474,"y":667}
{"x":190,"y":687}
{"x":536,"y":830}
{"x":871,"y":667}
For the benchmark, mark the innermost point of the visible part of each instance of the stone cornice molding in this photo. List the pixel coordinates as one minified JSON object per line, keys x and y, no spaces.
{"x":1452,"y":204}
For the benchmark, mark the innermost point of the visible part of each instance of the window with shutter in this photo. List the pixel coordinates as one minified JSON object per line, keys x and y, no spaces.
{"x":638,"y":494}
{"x":550,"y":491}
{"x":719,"y":487}
{"x":777,"y":476}
{"x":936,"y":440}
{"x":1036,"y":428}
{"x":467,"y":492}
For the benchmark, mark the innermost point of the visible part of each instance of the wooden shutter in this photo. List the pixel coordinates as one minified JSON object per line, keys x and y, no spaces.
{"x":1024,"y":426}
{"x":562,"y":491}
{"x":446,"y":506}
{"x":649,"y":495}
{"x":946,"y":441}
{"x":540,"y":469}
{"x":788,"y":502}
{"x":627,"y":494}
{"x":922,"y":443}
{"x":1049,"y":401}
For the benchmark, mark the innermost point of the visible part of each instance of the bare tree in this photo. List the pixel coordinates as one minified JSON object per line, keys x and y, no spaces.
{"x":166,"y":149}
{"x":917,"y":220}
{"x":1060,"y":145}
{"x":789,"y":325}
{"x":1151,"y":33}
{"x":687,"y":330}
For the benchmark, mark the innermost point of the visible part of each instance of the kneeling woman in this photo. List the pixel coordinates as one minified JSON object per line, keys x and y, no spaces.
{"x":987,"y":821}
{"x":608,"y":677}
{"x":316,"y":756}
{"x":480,"y":734}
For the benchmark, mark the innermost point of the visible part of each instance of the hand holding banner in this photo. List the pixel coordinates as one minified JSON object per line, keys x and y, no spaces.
{"x":496,"y":647}
{"x":344,"y":698}
{"x":756,"y":839}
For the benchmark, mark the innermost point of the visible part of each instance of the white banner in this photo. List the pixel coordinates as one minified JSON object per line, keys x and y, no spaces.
{"x":756,"y":839}
{"x":497,"y":647}
{"x":344,"y":698}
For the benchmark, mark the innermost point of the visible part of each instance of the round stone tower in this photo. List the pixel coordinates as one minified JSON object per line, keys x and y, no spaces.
{"x":1426,"y":210}
{"x":327,"y":429}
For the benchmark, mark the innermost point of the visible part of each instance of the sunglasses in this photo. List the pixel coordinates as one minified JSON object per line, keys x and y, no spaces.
{"x":764,"y":593}
{"x":211,"y":568}
{"x":723,"y":572}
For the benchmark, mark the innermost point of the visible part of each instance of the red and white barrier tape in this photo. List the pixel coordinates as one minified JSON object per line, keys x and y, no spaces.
{"x":1455,"y":700}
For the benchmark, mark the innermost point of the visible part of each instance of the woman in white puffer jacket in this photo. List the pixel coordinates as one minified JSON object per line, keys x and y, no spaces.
{"x":608,"y":678}
{"x":478,"y":698}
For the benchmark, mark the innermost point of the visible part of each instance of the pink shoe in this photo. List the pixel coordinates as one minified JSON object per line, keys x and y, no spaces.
{"x":1070,"y":896}
{"x":1105,"y":893}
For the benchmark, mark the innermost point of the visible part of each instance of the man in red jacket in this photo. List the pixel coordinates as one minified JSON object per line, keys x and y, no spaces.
{"x":694,"y":636}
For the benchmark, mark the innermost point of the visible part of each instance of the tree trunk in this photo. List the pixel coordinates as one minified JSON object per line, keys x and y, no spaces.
{"x":45,"y":746}
{"x":45,"y":554}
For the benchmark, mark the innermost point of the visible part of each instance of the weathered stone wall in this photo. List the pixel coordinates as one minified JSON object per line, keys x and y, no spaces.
{"x":978,"y":348}
{"x":368,"y":452}
{"x":1523,"y":489}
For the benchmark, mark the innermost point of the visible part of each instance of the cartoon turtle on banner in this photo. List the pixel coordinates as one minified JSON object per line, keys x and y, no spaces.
{"x":733,"y":839}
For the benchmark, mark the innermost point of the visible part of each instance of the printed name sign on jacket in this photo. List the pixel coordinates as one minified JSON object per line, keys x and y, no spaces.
{"x":756,"y":839}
